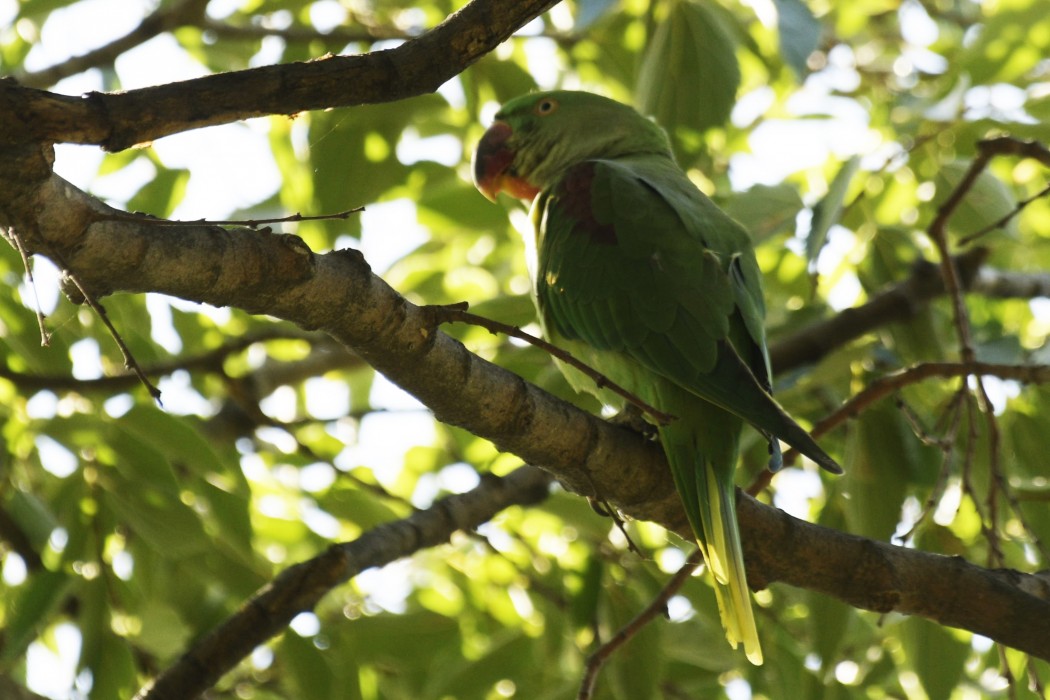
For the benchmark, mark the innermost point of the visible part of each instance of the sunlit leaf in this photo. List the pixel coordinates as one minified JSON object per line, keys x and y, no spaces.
{"x":40,"y":597}
{"x":766,"y":211}
{"x":799,"y":33}
{"x":987,"y":202}
{"x":827,"y":211}
{"x":689,"y":76}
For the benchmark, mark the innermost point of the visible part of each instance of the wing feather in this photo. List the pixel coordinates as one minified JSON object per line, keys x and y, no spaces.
{"x":635,"y":262}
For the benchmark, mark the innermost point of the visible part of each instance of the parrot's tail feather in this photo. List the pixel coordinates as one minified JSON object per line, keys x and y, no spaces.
{"x":725,"y":557}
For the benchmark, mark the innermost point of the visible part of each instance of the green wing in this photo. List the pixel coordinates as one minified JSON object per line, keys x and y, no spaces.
{"x":633,"y":259}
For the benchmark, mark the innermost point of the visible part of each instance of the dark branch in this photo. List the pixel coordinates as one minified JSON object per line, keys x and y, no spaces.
{"x":118,"y":121}
{"x":898,"y":303}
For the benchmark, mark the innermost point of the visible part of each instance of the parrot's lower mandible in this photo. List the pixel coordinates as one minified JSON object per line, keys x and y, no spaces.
{"x":642,"y":277}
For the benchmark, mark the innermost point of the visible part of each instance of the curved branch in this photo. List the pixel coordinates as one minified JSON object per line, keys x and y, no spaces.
{"x":301,"y":587}
{"x":1005,"y":605}
{"x":120,"y":120}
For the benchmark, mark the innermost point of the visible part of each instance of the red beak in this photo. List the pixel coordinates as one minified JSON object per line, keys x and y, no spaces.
{"x":492,"y":159}
{"x":492,"y":166}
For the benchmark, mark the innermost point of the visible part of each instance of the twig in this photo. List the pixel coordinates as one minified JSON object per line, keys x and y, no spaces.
{"x":658,"y":606}
{"x":129,"y":359}
{"x":45,"y":335}
{"x":949,"y":271}
{"x":937,"y":231}
{"x":457,"y":313}
{"x":248,"y":223}
{"x":947,"y":447}
{"x":1005,"y":219}
{"x":883,"y":386}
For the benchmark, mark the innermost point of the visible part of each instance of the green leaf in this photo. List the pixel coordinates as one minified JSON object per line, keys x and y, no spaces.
{"x":143,"y":489}
{"x":882,"y":454}
{"x":1010,"y":44}
{"x":985,"y":203}
{"x":584,"y":607}
{"x":41,"y":596}
{"x":179,"y":438}
{"x":163,"y":632}
{"x":33,"y":517}
{"x":799,"y":33}
{"x":689,"y":74}
{"x":311,"y":675}
{"x":935,"y":654}
{"x":113,"y":672}
{"x":354,"y":505}
{"x":161,"y":194}
{"x":509,"y":655}
{"x":766,"y":210}
{"x":890,"y":254}
{"x":512,"y":309}
{"x":638,"y":666}
{"x":827,"y":211}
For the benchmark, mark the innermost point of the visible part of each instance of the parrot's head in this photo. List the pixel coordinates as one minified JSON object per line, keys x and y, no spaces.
{"x":537,"y":137}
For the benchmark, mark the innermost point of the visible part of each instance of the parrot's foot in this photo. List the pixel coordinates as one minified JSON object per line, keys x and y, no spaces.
{"x":601,"y":507}
{"x":632,"y":417}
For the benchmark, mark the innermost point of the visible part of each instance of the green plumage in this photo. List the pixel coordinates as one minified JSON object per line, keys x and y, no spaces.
{"x":642,"y":277}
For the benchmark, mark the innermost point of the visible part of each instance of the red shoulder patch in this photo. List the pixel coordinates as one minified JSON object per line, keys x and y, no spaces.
{"x":575,"y":193}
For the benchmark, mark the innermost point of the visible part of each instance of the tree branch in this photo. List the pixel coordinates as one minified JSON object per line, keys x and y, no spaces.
{"x":336,"y":292}
{"x":897,"y":303}
{"x":301,"y":587}
{"x":120,"y":120}
{"x":1005,"y":605}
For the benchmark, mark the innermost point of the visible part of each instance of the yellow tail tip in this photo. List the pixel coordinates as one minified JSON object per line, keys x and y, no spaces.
{"x":754,"y":653}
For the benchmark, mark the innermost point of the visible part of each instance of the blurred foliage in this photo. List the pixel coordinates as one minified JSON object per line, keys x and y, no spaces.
{"x":833,"y":130}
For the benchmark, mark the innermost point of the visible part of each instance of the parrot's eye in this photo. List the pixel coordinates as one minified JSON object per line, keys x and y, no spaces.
{"x":546,"y":106}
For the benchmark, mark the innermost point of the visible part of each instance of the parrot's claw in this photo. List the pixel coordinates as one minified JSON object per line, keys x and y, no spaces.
{"x":630,"y":416}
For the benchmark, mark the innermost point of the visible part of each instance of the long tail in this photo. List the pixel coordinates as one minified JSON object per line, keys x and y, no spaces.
{"x":725,"y":556}
{"x":702,"y":459}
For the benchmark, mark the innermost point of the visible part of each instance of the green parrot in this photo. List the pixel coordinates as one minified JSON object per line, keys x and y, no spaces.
{"x":642,"y":277}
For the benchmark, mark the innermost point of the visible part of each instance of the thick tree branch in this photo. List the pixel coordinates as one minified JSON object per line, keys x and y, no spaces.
{"x":336,"y":292}
{"x":118,"y":121}
{"x":883,"y":577}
